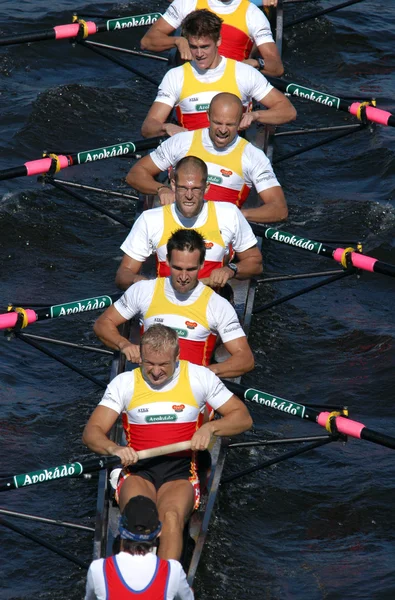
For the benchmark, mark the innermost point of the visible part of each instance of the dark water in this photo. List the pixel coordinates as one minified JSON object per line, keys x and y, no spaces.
{"x":317,"y":527}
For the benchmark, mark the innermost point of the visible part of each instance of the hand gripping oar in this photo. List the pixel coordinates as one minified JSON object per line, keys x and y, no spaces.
{"x":364,"y":111}
{"x":81,"y":28}
{"x":75,"y":469}
{"x":25,"y":317}
{"x":333,"y":422}
{"x":53,"y":163}
{"x":345,"y":256}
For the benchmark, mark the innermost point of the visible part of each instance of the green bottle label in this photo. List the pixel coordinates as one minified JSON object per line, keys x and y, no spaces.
{"x":313,"y":95}
{"x":60,"y":310}
{"x":292,"y":408}
{"x":107,"y":152}
{"x":293,"y":240}
{"x":67,"y":470}
{"x":134,"y":21}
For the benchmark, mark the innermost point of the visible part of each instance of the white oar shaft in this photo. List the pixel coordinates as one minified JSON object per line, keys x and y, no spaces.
{"x":160,"y":450}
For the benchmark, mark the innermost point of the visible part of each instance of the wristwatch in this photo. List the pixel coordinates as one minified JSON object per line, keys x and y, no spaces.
{"x":261,"y":63}
{"x":233,"y":268}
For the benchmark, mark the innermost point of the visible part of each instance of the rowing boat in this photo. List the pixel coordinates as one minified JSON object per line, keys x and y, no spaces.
{"x":106,"y":530}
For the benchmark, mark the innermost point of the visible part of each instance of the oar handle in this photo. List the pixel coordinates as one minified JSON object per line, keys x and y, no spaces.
{"x":161,"y":450}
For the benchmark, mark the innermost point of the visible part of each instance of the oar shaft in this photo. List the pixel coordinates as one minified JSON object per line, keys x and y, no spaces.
{"x":9,"y":319}
{"x":377,"y":115}
{"x":76,"y":469}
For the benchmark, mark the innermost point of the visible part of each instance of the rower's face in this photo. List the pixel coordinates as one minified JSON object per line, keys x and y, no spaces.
{"x":204,"y":51}
{"x":184,"y":270}
{"x":158,"y":367}
{"x":189,"y":192}
{"x":224,"y":123}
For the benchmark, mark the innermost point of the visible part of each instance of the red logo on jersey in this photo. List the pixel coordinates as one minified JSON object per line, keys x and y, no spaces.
{"x":191,"y":324}
{"x":208,"y":245}
{"x":226,"y":173}
{"x":178,"y":407}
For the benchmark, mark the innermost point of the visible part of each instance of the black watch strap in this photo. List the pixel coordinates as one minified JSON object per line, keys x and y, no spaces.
{"x":233,"y":267}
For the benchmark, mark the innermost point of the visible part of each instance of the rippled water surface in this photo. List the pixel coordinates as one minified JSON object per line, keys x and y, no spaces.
{"x":320,"y":526}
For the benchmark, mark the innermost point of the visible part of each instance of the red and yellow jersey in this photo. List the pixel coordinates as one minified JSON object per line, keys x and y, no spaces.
{"x":195,"y":96}
{"x":157,"y":418}
{"x":197,"y":342}
{"x":227,"y":183}
{"x":215,"y":245}
{"x":117,"y":589}
{"x":236,"y":41}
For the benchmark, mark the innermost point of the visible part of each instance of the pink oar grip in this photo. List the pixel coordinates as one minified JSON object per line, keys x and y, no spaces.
{"x":352,"y":428}
{"x":9,"y":319}
{"x":68,"y":31}
{"x":36,"y":167}
{"x":360,"y":261}
{"x":374,"y":114}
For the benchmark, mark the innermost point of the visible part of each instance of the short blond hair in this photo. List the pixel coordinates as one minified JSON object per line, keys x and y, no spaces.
{"x":159,"y":338}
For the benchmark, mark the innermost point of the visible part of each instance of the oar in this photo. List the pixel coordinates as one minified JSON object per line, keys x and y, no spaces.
{"x":56,"y":162}
{"x":75,"y":469}
{"x":332,"y":421}
{"x":28,"y":315}
{"x":359,"y":109}
{"x":344,"y":256}
{"x":72,"y":30}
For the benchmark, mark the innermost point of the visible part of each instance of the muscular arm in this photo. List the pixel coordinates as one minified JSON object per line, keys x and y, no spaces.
{"x":155,"y":121}
{"x":235,"y":419}
{"x":240,"y":361}
{"x":273,"y":209}
{"x":249,"y":264}
{"x":128,"y":272}
{"x":106,"y":329}
{"x":271,"y":56}
{"x":95,"y":436}
{"x":279,"y":111}
{"x":159,"y":38}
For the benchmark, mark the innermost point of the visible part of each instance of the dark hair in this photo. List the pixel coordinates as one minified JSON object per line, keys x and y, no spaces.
{"x":141,"y":548}
{"x":186,"y":239}
{"x":202,"y":23}
{"x":193,"y":162}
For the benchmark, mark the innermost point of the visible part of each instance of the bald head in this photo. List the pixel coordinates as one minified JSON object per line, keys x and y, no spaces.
{"x":191,"y":165}
{"x":226,"y":102}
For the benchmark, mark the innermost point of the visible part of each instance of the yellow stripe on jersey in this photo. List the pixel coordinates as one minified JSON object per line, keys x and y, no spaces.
{"x":210,"y":230}
{"x":181,"y":393}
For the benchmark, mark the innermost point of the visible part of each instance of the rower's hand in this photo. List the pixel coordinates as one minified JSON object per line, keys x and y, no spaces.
{"x":166,"y":196}
{"x":252,"y":62}
{"x":183,"y":48}
{"x":201,"y":437}
{"x":219,"y":277}
{"x":127,"y":454}
{"x":246,"y":120}
{"x":172,"y":129}
{"x":131,"y":351}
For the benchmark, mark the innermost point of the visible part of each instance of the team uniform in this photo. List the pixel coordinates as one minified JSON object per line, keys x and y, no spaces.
{"x":144,"y":577}
{"x":155,"y":417}
{"x":221,"y":224}
{"x":232,"y":170}
{"x":209,"y":315}
{"x":191,"y":89}
{"x":244,"y":24}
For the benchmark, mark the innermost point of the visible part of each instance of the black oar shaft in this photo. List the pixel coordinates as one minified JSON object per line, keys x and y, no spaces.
{"x":378,"y":438}
{"x":23,"y":38}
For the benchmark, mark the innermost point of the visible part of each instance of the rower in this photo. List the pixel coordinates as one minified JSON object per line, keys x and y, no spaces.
{"x":234,"y":165}
{"x":136,"y":569}
{"x":163,"y":402}
{"x":243,"y":26}
{"x":191,"y":87}
{"x":220,"y":223}
{"x":180,"y":301}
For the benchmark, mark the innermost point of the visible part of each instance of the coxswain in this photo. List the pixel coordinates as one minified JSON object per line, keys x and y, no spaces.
{"x":191,"y":87}
{"x":180,"y":301}
{"x":163,"y":402}
{"x":221,"y":224}
{"x":243,"y":26}
{"x":234,"y":165}
{"x":136,"y":570}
